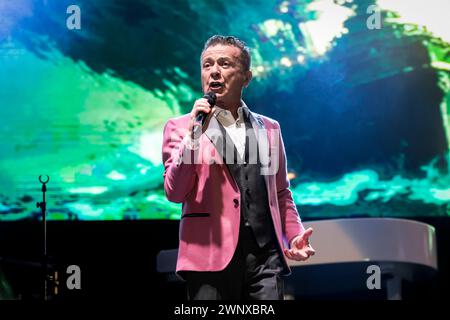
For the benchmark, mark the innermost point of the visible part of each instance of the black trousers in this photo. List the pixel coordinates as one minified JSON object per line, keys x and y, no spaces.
{"x":253,"y":273}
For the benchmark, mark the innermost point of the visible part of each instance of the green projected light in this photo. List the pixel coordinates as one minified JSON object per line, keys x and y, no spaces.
{"x":365,"y":113}
{"x":99,"y":137}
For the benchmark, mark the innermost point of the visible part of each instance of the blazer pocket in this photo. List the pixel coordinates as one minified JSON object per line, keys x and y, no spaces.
{"x":195,"y":215}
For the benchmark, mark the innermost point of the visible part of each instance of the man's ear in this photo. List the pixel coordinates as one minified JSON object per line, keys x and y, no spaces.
{"x":248,"y":77}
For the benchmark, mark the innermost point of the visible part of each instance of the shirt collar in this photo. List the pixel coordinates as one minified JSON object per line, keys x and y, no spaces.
{"x":226,"y":118}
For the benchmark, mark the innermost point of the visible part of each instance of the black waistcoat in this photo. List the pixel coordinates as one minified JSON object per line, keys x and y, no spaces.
{"x":246,"y":172}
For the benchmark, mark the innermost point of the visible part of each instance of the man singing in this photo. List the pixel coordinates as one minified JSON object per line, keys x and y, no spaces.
{"x":239,"y":222}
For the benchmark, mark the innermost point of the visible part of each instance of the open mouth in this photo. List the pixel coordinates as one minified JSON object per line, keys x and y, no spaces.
{"x":215,"y":85}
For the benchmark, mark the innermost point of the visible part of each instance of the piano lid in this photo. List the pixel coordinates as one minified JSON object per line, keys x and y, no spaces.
{"x":371,"y":239}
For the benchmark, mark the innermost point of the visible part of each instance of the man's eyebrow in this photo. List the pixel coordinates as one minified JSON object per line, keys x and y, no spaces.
{"x":206,"y":59}
{"x":220,"y":59}
{"x":225,"y":58}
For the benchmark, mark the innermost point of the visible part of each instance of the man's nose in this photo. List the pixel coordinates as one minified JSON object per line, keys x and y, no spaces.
{"x":215,"y":70}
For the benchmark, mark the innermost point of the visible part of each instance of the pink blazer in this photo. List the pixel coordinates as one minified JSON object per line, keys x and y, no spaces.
{"x":210,"y":197}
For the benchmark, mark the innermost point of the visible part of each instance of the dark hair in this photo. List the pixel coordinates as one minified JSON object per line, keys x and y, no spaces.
{"x":231,"y":41}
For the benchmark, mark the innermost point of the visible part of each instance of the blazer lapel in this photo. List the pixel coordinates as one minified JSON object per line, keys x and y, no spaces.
{"x":217,"y":138}
{"x":262,"y":138}
{"x":264,"y":148}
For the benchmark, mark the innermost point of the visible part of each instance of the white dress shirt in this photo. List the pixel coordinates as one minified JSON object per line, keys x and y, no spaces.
{"x":234,"y":127}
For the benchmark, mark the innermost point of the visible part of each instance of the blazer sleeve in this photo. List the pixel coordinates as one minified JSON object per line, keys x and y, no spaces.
{"x":179,"y":170}
{"x":290,"y":219}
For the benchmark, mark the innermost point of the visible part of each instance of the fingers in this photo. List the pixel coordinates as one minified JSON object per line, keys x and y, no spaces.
{"x":310,"y":251}
{"x":298,"y":255}
{"x":290,"y":254}
{"x":200,"y":105}
{"x":308,"y":232}
{"x":304,"y":238}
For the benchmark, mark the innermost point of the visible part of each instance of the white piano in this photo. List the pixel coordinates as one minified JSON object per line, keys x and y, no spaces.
{"x":400,"y":249}
{"x":349,"y":251}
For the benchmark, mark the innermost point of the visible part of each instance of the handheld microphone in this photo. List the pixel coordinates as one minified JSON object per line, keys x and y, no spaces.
{"x":201,"y":116}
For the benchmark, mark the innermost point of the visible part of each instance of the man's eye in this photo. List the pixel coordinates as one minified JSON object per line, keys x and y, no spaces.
{"x":206,"y":65}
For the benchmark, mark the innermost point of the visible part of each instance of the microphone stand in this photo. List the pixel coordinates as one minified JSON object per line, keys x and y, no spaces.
{"x":43,"y":206}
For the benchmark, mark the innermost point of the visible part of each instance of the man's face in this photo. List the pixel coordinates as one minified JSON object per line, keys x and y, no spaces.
{"x":222,"y":73}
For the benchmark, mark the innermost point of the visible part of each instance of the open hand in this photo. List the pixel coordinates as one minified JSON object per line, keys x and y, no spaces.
{"x":300,"y":248}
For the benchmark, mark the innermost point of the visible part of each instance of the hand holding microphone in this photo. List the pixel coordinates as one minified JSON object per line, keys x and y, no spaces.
{"x":200,"y":111}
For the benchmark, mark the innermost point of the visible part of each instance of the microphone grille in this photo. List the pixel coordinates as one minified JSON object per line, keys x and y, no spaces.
{"x":211,"y":97}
